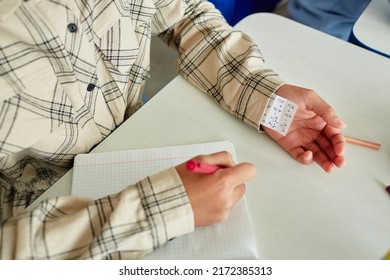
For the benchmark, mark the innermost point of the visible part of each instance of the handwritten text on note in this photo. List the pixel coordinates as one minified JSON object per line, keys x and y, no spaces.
{"x":279,"y":114}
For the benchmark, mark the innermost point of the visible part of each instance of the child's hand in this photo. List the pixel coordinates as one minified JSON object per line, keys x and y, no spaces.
{"x":315,"y":132}
{"x":212,"y":196}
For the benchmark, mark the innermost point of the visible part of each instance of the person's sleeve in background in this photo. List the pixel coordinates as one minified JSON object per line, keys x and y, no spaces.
{"x":335,"y":17}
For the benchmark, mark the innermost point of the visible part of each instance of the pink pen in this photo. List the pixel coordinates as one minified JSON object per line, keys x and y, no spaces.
{"x":200,"y":167}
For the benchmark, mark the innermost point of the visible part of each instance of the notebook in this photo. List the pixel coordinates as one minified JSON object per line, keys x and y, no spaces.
{"x":99,"y":174}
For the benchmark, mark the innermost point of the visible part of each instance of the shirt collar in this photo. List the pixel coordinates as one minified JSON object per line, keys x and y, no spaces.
{"x":8,"y":7}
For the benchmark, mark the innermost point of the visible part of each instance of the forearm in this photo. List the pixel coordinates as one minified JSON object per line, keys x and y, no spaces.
{"x":223,"y":62}
{"x":127,"y":225}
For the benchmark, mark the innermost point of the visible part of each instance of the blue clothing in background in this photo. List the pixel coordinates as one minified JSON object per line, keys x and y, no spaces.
{"x":335,"y":17}
{"x":235,"y":10}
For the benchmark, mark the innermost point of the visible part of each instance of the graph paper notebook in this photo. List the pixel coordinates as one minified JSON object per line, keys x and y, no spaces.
{"x":100,"y":174}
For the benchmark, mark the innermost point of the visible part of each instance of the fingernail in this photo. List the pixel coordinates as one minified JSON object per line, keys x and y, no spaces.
{"x":341,"y":123}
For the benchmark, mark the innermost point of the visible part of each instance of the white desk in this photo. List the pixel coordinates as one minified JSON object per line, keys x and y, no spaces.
{"x":298,"y":212}
{"x":372,"y":29}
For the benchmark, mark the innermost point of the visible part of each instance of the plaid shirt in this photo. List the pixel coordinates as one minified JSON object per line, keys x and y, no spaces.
{"x":71,"y":71}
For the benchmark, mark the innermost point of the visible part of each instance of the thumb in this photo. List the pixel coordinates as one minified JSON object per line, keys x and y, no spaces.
{"x":327,"y":113}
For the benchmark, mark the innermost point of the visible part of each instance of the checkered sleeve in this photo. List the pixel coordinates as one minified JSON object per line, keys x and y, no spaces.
{"x":126,"y":225}
{"x":223,"y":62}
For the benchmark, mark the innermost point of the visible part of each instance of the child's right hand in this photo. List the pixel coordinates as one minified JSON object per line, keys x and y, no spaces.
{"x":212,"y":196}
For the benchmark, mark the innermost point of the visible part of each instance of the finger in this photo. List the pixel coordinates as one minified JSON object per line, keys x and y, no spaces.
{"x":337,"y":138}
{"x":325,"y":111}
{"x":238,"y":193}
{"x":238,"y":174}
{"x":329,"y":150}
{"x":320,"y":157}
{"x":301,"y":155}
{"x":326,"y":146}
{"x":235,"y":195}
{"x":222,"y":158}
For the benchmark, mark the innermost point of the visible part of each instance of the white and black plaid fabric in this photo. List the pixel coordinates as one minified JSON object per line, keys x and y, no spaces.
{"x":71,"y":71}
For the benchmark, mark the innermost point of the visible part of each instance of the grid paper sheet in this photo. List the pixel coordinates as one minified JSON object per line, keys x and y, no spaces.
{"x":100,"y":174}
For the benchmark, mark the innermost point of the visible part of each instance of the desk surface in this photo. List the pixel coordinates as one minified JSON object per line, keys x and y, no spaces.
{"x":298,"y":212}
{"x":372,"y":29}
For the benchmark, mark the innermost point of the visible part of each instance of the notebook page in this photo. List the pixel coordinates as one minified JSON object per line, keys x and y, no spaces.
{"x":100,"y":174}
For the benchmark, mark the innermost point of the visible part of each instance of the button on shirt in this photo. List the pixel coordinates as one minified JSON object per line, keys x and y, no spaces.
{"x":72,"y":27}
{"x":70,"y":73}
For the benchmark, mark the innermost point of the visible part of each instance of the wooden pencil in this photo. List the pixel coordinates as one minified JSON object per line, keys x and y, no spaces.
{"x":363,"y":143}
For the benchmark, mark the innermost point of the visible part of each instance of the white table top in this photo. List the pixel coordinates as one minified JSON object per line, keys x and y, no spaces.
{"x":372,"y":29}
{"x":298,"y":212}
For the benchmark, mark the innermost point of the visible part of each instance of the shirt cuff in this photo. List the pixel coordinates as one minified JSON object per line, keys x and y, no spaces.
{"x":166,"y":205}
{"x":263,"y":89}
